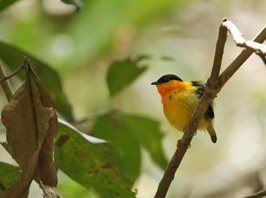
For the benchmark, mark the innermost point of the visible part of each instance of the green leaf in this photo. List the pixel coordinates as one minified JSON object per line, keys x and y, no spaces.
{"x":5,"y":3}
{"x":9,"y":174}
{"x":13,"y":57}
{"x":77,"y":3}
{"x":91,"y":162}
{"x":67,"y":187}
{"x":147,"y":132}
{"x":127,"y":132}
{"x":121,"y":74}
{"x":111,"y":127}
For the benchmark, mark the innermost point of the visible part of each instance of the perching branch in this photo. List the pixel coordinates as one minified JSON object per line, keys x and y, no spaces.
{"x":213,"y":86}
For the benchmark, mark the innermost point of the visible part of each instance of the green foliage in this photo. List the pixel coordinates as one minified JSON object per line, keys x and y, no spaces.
{"x":121,"y":74}
{"x":147,"y":132}
{"x":69,"y":188}
{"x":112,"y":128}
{"x":13,"y":57}
{"x":92,"y":163}
{"x":8,"y":175}
{"x":4,"y":4}
{"x":128,"y":133}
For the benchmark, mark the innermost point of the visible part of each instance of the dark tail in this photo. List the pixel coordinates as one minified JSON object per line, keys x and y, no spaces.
{"x":212,"y":133}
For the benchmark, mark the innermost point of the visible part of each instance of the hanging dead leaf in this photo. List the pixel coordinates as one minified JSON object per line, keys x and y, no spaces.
{"x":31,"y":124}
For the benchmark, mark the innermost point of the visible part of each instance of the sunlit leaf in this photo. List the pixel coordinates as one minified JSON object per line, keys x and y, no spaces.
{"x":9,"y":174}
{"x":91,"y":162}
{"x":121,"y":74}
{"x":31,"y":123}
{"x":13,"y":57}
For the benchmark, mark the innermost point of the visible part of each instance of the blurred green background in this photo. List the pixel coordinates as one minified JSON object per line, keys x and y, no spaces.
{"x":86,"y":43}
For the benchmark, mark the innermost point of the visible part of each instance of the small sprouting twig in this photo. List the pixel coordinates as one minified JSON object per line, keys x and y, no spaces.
{"x":257,"y":194}
{"x":4,"y":79}
{"x":213,"y":86}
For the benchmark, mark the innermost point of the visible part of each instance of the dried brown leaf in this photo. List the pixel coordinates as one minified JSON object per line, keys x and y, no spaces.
{"x":31,"y":124}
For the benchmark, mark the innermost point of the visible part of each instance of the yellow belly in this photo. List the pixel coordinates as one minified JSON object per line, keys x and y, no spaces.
{"x":178,"y":108}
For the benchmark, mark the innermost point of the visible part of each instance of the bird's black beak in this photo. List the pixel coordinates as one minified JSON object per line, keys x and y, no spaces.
{"x":154,"y":83}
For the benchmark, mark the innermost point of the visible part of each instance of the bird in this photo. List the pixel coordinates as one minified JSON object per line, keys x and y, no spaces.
{"x":179,"y":99}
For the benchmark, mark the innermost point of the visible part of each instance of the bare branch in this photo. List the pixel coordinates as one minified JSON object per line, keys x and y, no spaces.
{"x":219,"y":50}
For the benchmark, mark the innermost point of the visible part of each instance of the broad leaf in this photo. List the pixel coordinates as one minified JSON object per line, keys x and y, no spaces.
{"x":121,"y":74}
{"x":91,"y":162}
{"x":147,"y":132}
{"x":31,"y":124}
{"x":9,"y":174}
{"x":13,"y":58}
{"x":111,"y":127}
{"x":128,"y":132}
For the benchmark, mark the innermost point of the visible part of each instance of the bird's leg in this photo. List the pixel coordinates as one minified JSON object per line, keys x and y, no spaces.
{"x":180,"y":144}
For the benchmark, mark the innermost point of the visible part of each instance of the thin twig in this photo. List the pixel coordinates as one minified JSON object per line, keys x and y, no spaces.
{"x":258,"y":194}
{"x":213,"y":86}
{"x":5,"y":84}
{"x":12,"y":74}
{"x":4,"y":79}
{"x":219,"y":50}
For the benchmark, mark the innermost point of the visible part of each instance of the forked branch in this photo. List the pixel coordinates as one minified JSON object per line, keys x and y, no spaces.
{"x":213,"y":86}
